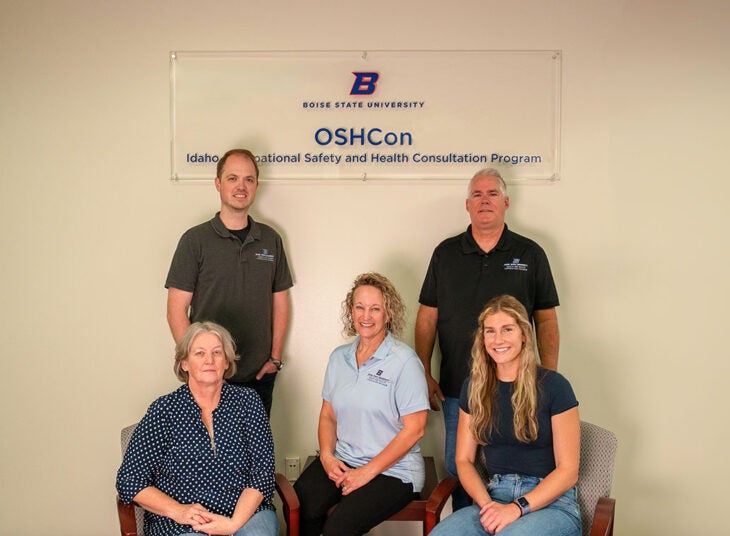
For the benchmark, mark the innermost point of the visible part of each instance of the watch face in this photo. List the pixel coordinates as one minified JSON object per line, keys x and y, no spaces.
{"x":523,"y":504}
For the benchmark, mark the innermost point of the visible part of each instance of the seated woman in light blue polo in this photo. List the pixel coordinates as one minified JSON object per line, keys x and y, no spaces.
{"x":374,"y":409}
{"x":523,"y":420}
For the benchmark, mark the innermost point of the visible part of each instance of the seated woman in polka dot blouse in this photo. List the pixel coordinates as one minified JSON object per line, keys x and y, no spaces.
{"x":202,"y":458}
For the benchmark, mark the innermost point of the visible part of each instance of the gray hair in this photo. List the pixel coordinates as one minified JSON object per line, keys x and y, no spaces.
{"x":182,"y":348}
{"x":488,"y":172}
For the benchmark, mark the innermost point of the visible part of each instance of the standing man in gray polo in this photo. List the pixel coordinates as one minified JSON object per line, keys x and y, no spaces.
{"x":465,"y":272}
{"x":233,"y":270}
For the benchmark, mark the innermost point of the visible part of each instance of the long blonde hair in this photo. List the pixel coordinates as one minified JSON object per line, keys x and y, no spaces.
{"x":482,"y":396}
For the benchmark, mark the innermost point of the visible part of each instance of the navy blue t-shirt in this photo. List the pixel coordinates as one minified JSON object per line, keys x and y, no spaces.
{"x":504,"y":454}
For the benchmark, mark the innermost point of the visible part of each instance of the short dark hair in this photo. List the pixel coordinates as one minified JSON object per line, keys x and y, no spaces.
{"x":241,"y":152}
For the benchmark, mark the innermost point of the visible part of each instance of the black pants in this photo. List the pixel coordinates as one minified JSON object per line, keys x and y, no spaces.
{"x":264,"y":387}
{"x":356,"y":513}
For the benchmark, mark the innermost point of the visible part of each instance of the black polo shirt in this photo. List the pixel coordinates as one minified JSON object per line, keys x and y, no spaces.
{"x":462,"y":278}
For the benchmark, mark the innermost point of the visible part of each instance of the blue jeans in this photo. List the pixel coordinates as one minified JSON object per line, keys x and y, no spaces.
{"x":450,"y":407}
{"x":263,"y":523}
{"x":559,"y":518}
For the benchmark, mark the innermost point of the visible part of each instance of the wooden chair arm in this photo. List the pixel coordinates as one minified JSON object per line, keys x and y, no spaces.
{"x":437,"y":501}
{"x":603,"y":517}
{"x":127,"y":519}
{"x":290,"y":503}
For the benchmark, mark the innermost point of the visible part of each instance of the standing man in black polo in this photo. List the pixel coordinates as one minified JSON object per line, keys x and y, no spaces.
{"x":233,"y":270}
{"x":465,"y":272}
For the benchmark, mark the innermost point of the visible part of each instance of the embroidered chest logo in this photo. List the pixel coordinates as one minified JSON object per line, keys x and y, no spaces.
{"x":378,"y":378}
{"x":515,"y":265}
{"x":264,"y":255}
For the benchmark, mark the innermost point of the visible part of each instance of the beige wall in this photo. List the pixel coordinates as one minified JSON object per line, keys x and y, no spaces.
{"x":636,"y":232}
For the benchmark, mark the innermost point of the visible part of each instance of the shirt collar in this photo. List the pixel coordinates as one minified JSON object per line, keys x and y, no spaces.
{"x":469,"y":245}
{"x":254,"y":229}
{"x":188,"y":396}
{"x":380,"y":354}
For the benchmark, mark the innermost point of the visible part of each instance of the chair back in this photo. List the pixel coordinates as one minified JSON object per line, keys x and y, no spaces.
{"x":138,"y":512}
{"x":597,"y":456}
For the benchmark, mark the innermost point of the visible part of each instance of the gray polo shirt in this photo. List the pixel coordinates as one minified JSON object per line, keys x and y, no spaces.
{"x":232,"y":284}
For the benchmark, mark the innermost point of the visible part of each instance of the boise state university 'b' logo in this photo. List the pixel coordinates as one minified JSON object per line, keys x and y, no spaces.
{"x":364,"y":83}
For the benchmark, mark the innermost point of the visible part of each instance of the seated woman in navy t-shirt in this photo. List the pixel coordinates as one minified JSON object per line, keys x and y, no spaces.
{"x":523,"y":420}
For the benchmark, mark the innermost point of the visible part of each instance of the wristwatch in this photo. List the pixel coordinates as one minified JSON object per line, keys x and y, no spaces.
{"x":523,"y":505}
{"x":278,"y":363}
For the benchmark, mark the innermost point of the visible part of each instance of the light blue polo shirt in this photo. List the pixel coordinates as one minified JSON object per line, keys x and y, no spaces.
{"x":368,"y":403}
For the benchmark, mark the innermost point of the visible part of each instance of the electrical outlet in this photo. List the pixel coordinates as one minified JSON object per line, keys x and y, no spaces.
{"x":291,"y":468}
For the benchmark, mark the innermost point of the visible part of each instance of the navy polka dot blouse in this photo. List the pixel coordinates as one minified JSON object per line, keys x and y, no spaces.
{"x":172,"y":451}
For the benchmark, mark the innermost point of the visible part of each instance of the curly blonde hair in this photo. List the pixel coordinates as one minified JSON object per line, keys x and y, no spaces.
{"x":392,"y":302}
{"x":484,"y":384}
